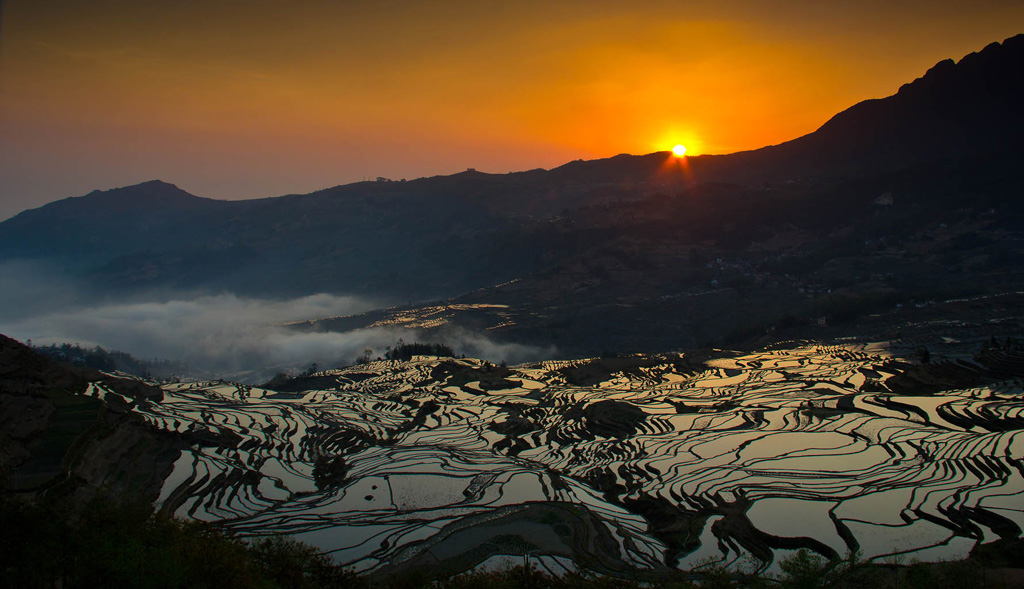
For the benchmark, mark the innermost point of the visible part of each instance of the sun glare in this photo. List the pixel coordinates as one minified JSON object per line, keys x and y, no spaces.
{"x":679,"y":150}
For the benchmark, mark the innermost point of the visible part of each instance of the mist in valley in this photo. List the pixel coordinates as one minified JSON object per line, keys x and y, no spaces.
{"x":219,"y":335}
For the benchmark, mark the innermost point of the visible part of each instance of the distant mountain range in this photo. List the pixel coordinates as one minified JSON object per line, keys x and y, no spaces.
{"x":892,"y":202}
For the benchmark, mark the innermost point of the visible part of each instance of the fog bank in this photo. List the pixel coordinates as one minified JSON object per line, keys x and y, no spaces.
{"x":234,"y":337}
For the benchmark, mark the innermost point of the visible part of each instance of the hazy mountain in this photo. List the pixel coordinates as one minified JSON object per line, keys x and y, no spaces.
{"x":430,"y":237}
{"x":885,"y":200}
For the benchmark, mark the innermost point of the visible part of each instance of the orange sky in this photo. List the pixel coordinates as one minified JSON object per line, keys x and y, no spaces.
{"x":254,"y":98}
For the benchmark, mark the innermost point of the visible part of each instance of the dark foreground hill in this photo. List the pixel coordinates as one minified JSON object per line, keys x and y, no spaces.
{"x":59,"y":441}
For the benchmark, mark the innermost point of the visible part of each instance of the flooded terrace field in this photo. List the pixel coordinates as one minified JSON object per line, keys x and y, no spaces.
{"x":612,"y":464}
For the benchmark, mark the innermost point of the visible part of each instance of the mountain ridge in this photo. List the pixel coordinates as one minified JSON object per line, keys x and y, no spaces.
{"x":979,"y":69}
{"x":653,"y":220}
{"x":151,"y":193}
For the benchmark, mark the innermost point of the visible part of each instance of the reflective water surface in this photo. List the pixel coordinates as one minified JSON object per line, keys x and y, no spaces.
{"x":459,"y":462}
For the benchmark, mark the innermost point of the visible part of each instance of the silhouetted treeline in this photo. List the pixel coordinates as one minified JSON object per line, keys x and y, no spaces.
{"x":404,"y":351}
{"x":99,"y":358}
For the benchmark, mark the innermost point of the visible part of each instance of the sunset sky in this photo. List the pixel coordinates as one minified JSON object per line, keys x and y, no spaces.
{"x":245,"y":99}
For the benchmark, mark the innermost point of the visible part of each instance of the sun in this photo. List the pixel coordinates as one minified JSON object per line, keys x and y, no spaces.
{"x":679,"y":150}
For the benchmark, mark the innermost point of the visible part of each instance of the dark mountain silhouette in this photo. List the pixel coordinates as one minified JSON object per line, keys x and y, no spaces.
{"x":969,"y":108}
{"x":77,"y":225}
{"x":974,"y":107}
{"x":916,"y":172}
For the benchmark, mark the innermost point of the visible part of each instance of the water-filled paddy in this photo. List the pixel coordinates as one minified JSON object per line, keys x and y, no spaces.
{"x":652,"y":466}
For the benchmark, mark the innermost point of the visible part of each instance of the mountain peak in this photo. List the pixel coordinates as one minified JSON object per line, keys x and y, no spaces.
{"x":157,"y":183}
{"x":994,"y":66}
{"x":149,"y":187}
{"x":972,"y":106}
{"x":151,"y":194}
{"x":145,"y":198}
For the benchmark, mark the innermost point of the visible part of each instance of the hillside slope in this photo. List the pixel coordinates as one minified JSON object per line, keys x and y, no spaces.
{"x":59,"y":439}
{"x":443,"y":236}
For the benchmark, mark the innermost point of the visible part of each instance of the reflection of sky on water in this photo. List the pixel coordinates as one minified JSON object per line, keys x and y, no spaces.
{"x":789,"y":430}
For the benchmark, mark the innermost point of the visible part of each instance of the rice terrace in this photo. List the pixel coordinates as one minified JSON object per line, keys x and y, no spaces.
{"x":612,"y":464}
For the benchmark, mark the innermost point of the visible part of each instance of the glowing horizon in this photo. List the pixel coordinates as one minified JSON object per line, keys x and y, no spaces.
{"x":288,"y":97}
